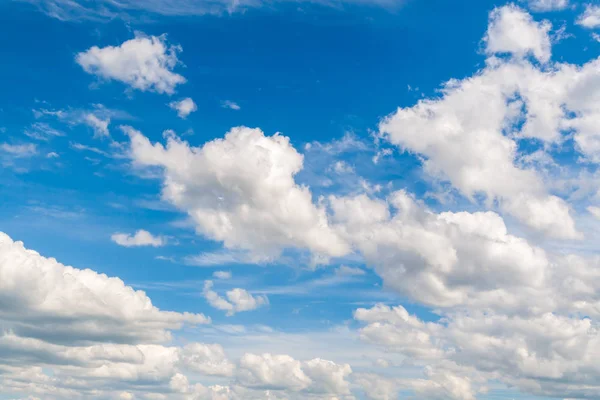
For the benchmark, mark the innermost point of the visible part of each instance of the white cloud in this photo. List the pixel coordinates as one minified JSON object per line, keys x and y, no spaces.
{"x":282,"y":372}
{"x":222,"y":274}
{"x":345,"y":270}
{"x":238,"y":300}
{"x":42,"y":131}
{"x":476,"y":148}
{"x":440,"y":259}
{"x":547,"y":355}
{"x":52,"y":154}
{"x":595,"y":211}
{"x":512,"y":30}
{"x":19,"y":150}
{"x":342,"y":167}
{"x":45,"y":299}
{"x":206,"y":359}
{"x":108,"y":10}
{"x":590,"y":17}
{"x":140,"y":238}
{"x":100,"y":126}
{"x":143,"y":63}
{"x":548,"y":5}
{"x":230,"y":104}
{"x":241,"y":190}
{"x":184,"y":107}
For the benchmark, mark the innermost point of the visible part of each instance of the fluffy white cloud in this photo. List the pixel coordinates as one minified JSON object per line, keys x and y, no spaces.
{"x":590,"y":17}
{"x":447,"y":259}
{"x":475,"y":147}
{"x":282,"y":372}
{"x":206,"y":359}
{"x":548,"y":5}
{"x":238,"y":300}
{"x":512,"y":30}
{"x":144,"y":63}
{"x":140,"y":238}
{"x":42,"y":298}
{"x":184,"y":107}
{"x":547,"y":355}
{"x":241,"y":190}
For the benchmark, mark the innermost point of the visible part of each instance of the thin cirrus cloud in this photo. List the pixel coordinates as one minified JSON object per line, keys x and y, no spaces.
{"x":138,"y":239}
{"x":230,"y":104}
{"x":106,"y":10}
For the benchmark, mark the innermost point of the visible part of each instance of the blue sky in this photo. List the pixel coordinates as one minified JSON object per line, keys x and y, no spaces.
{"x":433,"y":173}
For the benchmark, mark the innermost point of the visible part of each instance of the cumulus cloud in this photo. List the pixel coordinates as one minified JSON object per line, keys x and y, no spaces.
{"x":439,"y":259}
{"x":590,"y":17}
{"x":282,"y":372}
{"x":45,"y":299}
{"x":145,"y":63}
{"x":238,"y":300}
{"x":241,"y":190}
{"x":475,"y":147}
{"x":548,"y":355}
{"x":70,"y":333}
{"x":184,"y":107}
{"x":140,"y":238}
{"x":512,"y":30}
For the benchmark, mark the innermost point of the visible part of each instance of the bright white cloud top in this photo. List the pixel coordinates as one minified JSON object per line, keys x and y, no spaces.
{"x":184,"y":107}
{"x":140,"y":238}
{"x":473,"y":275}
{"x":143,"y":63}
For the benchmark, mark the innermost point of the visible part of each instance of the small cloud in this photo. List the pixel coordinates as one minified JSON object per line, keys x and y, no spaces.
{"x":222,"y":274}
{"x":52,"y":155}
{"x":145,"y":63}
{"x":590,"y":18}
{"x":345,"y":270}
{"x":548,"y":5}
{"x":184,"y":107}
{"x":342,"y":167}
{"x":595,"y":211}
{"x":382,"y":363}
{"x":83,"y":147}
{"x":140,"y":238}
{"x":230,"y":104}
{"x":165,"y":258}
{"x":42,"y":131}
{"x":19,"y":150}
{"x":100,"y":126}
{"x":238,"y":300}
{"x":222,"y":257}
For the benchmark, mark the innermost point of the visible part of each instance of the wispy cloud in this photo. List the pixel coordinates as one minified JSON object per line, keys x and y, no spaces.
{"x":106,"y":10}
{"x":230,"y":104}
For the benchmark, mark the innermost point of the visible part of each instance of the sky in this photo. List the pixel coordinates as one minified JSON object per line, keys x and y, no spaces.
{"x":323,"y":200}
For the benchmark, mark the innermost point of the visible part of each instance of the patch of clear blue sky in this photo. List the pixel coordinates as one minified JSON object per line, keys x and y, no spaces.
{"x":313,"y":74}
